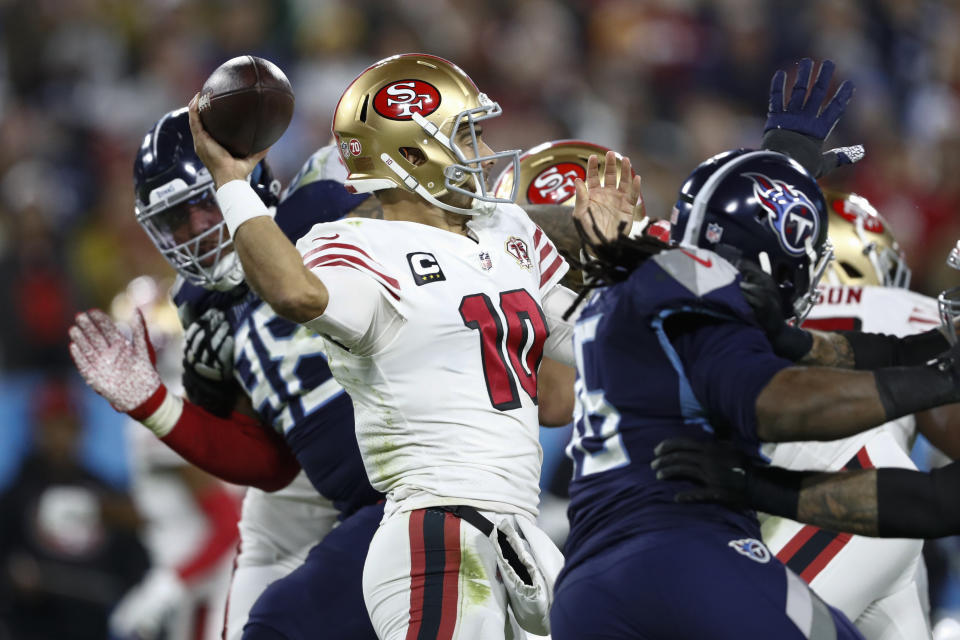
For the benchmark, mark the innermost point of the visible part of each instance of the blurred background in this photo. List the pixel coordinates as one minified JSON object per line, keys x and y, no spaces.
{"x":667,"y":82}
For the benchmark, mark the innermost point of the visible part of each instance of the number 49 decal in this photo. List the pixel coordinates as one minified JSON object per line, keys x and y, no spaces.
{"x":526,"y":331}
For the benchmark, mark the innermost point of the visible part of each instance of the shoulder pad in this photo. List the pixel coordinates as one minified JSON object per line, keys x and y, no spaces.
{"x":699,"y":270}
{"x":318,"y":201}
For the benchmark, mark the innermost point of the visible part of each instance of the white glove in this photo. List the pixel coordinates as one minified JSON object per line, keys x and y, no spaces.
{"x":119,"y":368}
{"x":144,"y":610}
{"x":209,"y":346}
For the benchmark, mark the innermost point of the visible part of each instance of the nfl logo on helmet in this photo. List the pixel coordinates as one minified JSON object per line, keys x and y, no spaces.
{"x":714,"y":232}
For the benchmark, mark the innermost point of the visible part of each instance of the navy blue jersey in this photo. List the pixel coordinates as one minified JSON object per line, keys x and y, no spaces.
{"x":672,"y":351}
{"x":280,"y":365}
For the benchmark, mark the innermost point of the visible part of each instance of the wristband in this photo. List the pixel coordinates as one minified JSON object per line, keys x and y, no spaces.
{"x":774,"y":490}
{"x":160,"y":412}
{"x":876,"y":350}
{"x":913,"y":504}
{"x":239,"y":203}
{"x":906,"y":390}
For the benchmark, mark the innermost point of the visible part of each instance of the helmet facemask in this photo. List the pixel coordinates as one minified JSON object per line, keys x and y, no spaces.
{"x":465,"y":170}
{"x":206,"y":259}
{"x":949,"y":301}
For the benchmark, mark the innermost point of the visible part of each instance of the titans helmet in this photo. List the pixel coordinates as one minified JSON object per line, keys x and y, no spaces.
{"x":764,"y":207}
{"x":177,"y":207}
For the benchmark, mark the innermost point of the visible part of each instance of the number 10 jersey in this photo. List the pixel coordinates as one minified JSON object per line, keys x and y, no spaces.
{"x":442,"y":370}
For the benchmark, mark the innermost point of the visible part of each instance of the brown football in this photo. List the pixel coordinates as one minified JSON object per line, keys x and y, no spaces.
{"x":246,"y":104}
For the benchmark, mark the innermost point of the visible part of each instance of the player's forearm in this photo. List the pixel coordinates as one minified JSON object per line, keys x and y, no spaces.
{"x":237,"y":449}
{"x":840,"y":502}
{"x":860,"y":350}
{"x":274,"y":270}
{"x":271,"y":264}
{"x":818,"y":403}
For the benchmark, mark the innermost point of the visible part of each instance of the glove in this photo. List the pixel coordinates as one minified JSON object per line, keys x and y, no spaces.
{"x":762,"y":294}
{"x":800,"y":129}
{"x":209,"y":346}
{"x":719,"y":469}
{"x":727,"y":475}
{"x":121,"y":369}
{"x":146,"y":607}
{"x":208,"y":364}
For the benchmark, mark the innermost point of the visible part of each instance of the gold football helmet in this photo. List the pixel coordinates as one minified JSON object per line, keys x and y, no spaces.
{"x":547,"y":172}
{"x":865,"y":249}
{"x":410,"y":122}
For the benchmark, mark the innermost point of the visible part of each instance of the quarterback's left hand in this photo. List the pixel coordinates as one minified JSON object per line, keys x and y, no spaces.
{"x":800,"y":128}
{"x":143,"y":611}
{"x":605,"y":211}
{"x":119,"y":368}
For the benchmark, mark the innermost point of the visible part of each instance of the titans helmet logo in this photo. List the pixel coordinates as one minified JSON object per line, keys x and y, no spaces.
{"x":790,"y":212}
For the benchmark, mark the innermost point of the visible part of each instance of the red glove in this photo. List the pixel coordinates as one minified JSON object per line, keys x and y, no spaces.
{"x":122,"y":369}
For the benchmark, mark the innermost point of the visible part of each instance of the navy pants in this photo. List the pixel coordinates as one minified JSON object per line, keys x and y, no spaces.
{"x":690,"y":583}
{"x":323,"y":598}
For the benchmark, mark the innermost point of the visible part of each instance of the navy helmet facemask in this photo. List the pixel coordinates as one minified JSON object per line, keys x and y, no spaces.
{"x":764,"y":207}
{"x":177,"y":207}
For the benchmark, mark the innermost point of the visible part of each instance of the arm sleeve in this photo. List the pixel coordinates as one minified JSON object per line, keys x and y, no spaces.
{"x":559,"y":345}
{"x":913,"y":504}
{"x":221,"y":511}
{"x":238,"y":449}
{"x":727,"y":364}
{"x":359,"y":314}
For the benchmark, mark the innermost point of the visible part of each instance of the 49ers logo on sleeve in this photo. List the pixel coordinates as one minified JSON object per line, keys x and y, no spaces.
{"x":554,"y":185}
{"x":400,"y":100}
{"x":518,"y":249}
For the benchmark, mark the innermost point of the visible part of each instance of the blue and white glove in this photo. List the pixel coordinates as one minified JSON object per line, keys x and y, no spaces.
{"x":799,"y":128}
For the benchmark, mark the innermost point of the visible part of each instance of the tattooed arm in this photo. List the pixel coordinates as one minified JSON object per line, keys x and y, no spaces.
{"x":840,"y":502}
{"x":886,"y":503}
{"x":829,"y":350}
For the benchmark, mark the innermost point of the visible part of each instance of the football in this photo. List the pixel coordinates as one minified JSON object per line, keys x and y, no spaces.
{"x":246,"y":104}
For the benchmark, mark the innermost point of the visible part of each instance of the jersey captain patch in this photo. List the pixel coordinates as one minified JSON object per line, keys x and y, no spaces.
{"x":425,"y":268}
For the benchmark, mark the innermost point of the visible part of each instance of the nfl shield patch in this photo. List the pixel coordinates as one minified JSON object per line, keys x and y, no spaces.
{"x":485,"y":262}
{"x":714,"y":232}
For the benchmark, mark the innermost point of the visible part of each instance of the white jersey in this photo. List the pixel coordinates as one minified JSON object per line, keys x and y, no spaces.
{"x":872,"y":309}
{"x":443,"y":380}
{"x":872,"y":580}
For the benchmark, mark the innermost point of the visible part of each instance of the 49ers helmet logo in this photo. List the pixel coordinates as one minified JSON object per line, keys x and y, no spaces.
{"x":851,"y":212}
{"x":554,"y":185}
{"x":400,"y":100}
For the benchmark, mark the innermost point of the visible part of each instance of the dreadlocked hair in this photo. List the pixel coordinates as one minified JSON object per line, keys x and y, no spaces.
{"x":611,"y":261}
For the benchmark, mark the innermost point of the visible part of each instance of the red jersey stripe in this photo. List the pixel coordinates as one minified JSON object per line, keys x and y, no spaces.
{"x":451,"y":577}
{"x":342,"y":263}
{"x":418,"y":570}
{"x":336,"y":245}
{"x":355,"y":260}
{"x":825,"y":556}
{"x":537,"y":235}
{"x":545,"y":275}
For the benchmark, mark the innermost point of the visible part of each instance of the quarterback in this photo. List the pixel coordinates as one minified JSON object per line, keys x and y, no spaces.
{"x":436,"y":320}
